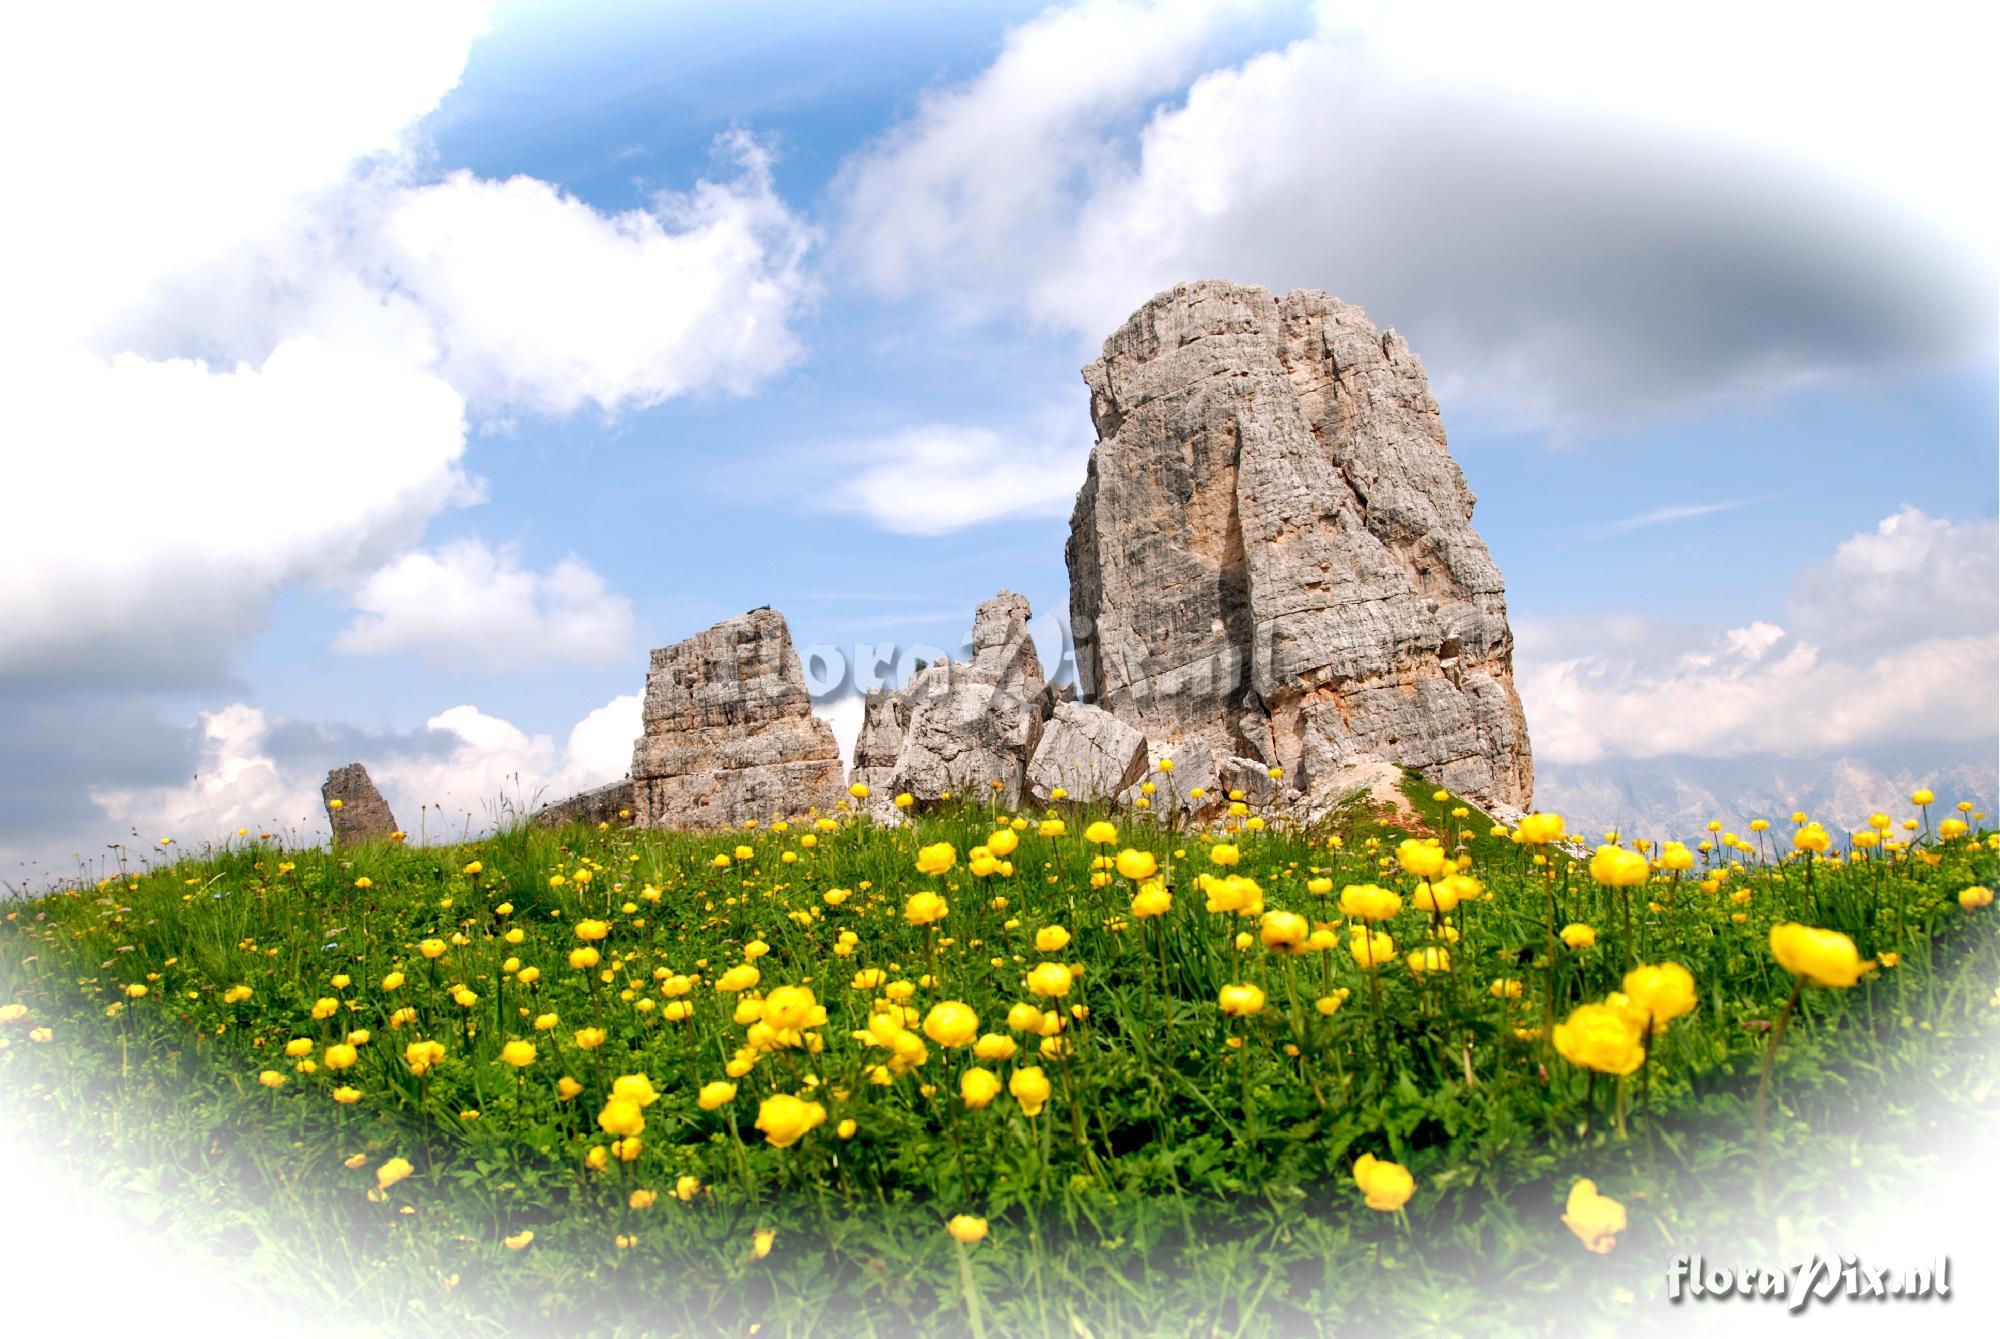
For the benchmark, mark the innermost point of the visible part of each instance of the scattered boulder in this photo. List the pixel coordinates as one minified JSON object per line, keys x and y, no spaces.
{"x":1087,"y":752}
{"x":729,"y":731}
{"x":1195,"y":768}
{"x":1272,"y":550}
{"x":604,"y":804}
{"x":958,"y":727}
{"x":355,"y":808}
{"x":885,"y":719}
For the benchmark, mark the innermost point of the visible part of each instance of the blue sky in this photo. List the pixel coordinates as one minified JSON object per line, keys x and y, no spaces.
{"x":786,"y":304}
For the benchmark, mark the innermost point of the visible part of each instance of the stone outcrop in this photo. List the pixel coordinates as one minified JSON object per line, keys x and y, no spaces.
{"x":355,"y":808}
{"x":1088,"y":753}
{"x":958,"y":726}
{"x":603,"y":804}
{"x":1272,"y":552}
{"x":729,"y":731}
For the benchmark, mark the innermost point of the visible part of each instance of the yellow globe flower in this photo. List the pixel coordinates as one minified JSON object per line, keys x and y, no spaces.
{"x":1370,"y":950}
{"x":519,"y":1054}
{"x":1003,"y":842}
{"x":1426,"y":960}
{"x":1366,"y":902}
{"x":1030,"y":1087}
{"x":1049,"y":980}
{"x":793,"y":1009}
{"x":1137,"y":865}
{"x":1152,"y":900}
{"x":1822,"y":957}
{"x":1975,"y":897}
{"x":1539,"y":829}
{"x":967,"y":1229}
{"x":1595,"y":1219}
{"x":925,"y":909}
{"x":1663,"y":991}
{"x":977,"y":1087}
{"x":1602,"y":1037}
{"x":1385,"y":1186}
{"x":391,"y":1172}
{"x":785,"y":1119}
{"x":1241,"y":1000}
{"x":1284,"y":932}
{"x":621,"y":1116}
{"x":1100,"y":833}
{"x":1421,"y":858}
{"x":1617,"y":867}
{"x":996,"y":1045}
{"x":951,"y":1023}
{"x":1577,"y":935}
{"x":718,"y":1093}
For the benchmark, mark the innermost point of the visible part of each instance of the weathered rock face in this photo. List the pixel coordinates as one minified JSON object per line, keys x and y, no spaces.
{"x":362,"y":814}
{"x":603,"y":804}
{"x":1087,"y":752}
{"x":1273,"y":549}
{"x":729,"y":731}
{"x":959,"y":726}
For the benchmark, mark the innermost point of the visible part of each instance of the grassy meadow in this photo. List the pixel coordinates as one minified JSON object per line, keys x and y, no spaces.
{"x":1057,"y":1073}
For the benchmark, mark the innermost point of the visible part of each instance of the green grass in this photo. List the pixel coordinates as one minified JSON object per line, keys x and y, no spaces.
{"x":1174,"y":1184}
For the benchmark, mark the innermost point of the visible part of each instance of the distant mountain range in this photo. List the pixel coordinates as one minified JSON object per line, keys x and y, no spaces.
{"x":1675,"y":797}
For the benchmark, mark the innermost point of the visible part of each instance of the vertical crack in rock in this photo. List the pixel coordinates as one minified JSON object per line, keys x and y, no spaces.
{"x":1272,"y":552}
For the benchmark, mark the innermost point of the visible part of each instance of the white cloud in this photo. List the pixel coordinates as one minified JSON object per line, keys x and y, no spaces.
{"x":156,"y":137}
{"x":464,"y":762}
{"x":1634,"y":688}
{"x":1911,"y":577}
{"x":544,"y":302}
{"x":1578,"y":214}
{"x":940,"y":477}
{"x":243,"y":331}
{"x":160,"y":504}
{"x":600,"y":745}
{"x":468,"y":604}
{"x":991,"y":168}
{"x":1686,"y":511}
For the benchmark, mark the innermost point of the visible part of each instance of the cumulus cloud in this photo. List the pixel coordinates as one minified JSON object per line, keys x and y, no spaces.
{"x":245,"y":332}
{"x":463,"y":767}
{"x":939,"y":477}
{"x":1569,"y":240}
{"x":1927,"y":669}
{"x":469,"y":604}
{"x":1911,"y":578}
{"x":991,"y":168}
{"x":617,"y":310}
{"x":158,"y":505}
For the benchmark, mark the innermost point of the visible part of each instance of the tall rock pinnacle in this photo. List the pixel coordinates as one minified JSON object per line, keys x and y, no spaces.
{"x":1273,"y":551}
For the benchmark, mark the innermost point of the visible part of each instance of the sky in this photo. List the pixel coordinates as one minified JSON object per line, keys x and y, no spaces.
{"x":381,"y":381}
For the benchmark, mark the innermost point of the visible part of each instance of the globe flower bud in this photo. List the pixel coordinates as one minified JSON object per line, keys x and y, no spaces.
{"x":1822,"y":957}
{"x":1386,"y":1186}
{"x":1595,"y":1219}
